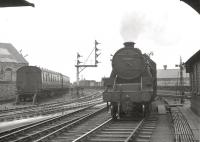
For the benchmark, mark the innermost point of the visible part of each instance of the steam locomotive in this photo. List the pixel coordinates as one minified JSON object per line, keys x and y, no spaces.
{"x":131,"y":87}
{"x":33,"y":82}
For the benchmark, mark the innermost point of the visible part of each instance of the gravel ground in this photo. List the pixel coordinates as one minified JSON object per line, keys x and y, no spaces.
{"x":64,"y":97}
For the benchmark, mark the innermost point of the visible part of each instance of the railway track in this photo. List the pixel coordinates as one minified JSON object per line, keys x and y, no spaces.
{"x":77,"y":128}
{"x":54,"y":104}
{"x":43,"y":110}
{"x":121,"y":131}
{"x":36,"y":131}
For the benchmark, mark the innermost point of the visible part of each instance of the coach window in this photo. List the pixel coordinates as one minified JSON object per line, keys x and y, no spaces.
{"x":44,"y":77}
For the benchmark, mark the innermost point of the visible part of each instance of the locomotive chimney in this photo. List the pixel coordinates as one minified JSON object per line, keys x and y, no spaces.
{"x":129,"y":44}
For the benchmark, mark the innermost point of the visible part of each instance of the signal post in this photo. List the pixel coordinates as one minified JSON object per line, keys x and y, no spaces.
{"x":80,"y":67}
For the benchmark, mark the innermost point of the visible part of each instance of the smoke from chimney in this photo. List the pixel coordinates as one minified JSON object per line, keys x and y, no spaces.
{"x":132,"y":25}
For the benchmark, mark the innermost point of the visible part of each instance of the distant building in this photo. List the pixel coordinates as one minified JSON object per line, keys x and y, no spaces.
{"x":170,"y":78}
{"x":10,"y":61}
{"x":90,"y":83}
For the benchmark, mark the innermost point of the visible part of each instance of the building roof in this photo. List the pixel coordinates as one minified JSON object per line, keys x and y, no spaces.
{"x":195,"y":58}
{"x":195,"y":4}
{"x":8,"y":53}
{"x":14,"y":3}
{"x":170,"y":73}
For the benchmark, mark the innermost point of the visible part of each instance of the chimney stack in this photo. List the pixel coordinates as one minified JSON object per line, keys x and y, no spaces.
{"x":129,"y":44}
{"x":165,"y":67}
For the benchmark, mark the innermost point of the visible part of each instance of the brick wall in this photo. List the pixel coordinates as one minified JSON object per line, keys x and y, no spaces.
{"x":7,"y":90}
{"x":7,"y":79}
{"x":8,"y":70}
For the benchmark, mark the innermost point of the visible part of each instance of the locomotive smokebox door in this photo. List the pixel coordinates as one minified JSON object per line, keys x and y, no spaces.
{"x":128,"y":62}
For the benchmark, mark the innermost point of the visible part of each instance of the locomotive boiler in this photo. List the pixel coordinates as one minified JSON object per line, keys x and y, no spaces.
{"x":33,"y":82}
{"x":131,"y":87}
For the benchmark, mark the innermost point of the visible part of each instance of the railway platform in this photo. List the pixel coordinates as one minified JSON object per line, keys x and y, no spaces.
{"x":5,"y":126}
{"x":163,"y":131}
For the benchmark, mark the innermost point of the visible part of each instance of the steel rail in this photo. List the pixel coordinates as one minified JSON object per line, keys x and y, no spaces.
{"x":55,"y":104}
{"x":88,"y":134}
{"x":48,"y":130}
{"x":50,"y":104}
{"x":39,"y":124}
{"x":130,"y":138}
{"x":21,"y":127}
{"x":124,"y":135}
{"x":67,"y":127}
{"x":45,"y":111}
{"x":85,"y":137}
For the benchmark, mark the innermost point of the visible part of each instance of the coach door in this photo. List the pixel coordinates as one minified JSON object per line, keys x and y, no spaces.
{"x":31,"y":80}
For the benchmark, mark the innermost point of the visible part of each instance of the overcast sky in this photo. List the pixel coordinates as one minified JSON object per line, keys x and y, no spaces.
{"x":55,"y":30}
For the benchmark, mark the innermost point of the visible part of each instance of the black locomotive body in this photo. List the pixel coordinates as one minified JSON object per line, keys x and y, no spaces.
{"x":33,"y":82}
{"x":131,"y":87}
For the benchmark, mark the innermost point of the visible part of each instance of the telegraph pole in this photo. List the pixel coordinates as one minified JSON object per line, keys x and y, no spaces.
{"x":83,"y":66}
{"x":181,"y":67}
{"x":77,"y":69}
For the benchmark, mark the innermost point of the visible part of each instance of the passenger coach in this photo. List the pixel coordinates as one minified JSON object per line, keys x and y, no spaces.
{"x":33,"y":82}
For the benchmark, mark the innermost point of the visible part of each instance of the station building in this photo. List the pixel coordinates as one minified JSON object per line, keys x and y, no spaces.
{"x":10,"y":61}
{"x":170,"y":79}
{"x":193,"y":68}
